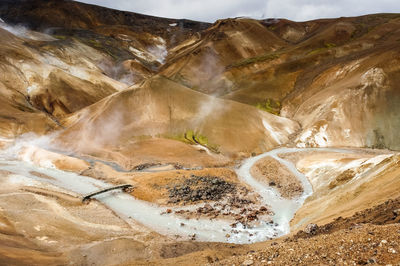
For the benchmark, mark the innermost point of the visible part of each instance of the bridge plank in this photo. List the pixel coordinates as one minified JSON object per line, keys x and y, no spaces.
{"x":88,"y":196}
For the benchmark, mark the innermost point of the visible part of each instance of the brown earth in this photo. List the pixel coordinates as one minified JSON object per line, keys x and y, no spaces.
{"x":368,"y":237}
{"x":270,"y":171}
{"x":116,"y":92}
{"x":367,"y":244}
{"x":154,"y":187}
{"x":374,"y":185}
{"x":155,"y":109}
{"x":315,"y":70}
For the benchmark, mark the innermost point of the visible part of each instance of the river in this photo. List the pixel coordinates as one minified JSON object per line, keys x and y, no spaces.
{"x":148,"y":214}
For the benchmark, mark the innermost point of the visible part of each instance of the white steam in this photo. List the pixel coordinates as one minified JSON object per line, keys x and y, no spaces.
{"x":211,"y":70}
{"x":98,"y":133}
{"x":206,"y":109}
{"x":159,"y":51}
{"x":25,"y":33}
{"x":118,"y":72}
{"x":210,"y":75}
{"x":19,"y":147}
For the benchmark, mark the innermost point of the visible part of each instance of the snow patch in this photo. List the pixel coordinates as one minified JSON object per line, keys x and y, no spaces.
{"x":173,"y":24}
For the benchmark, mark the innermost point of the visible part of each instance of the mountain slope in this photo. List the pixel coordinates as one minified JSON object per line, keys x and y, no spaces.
{"x":303,"y":71}
{"x":47,"y":76}
{"x":78,"y":55}
{"x":184,"y":112}
{"x":157,"y":109}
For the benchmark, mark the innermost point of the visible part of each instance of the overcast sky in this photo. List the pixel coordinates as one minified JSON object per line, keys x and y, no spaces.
{"x":211,"y":10}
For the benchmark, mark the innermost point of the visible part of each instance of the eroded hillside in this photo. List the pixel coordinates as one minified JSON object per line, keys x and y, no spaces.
{"x":232,"y":133}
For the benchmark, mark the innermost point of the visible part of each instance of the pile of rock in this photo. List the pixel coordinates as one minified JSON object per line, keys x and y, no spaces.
{"x":245,"y":215}
{"x":198,"y":188}
{"x":224,"y":200}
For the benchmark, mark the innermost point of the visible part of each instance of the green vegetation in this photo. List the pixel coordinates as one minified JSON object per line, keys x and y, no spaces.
{"x":252,"y":60}
{"x":60,"y":37}
{"x":191,"y":137}
{"x":95,"y":43}
{"x":270,"y":106}
{"x":327,"y":46}
{"x":330,"y":45}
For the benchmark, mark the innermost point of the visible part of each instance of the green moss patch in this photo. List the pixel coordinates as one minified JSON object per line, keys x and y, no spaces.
{"x":326,"y":47}
{"x":270,"y":106}
{"x":60,"y":37}
{"x":193,"y":138}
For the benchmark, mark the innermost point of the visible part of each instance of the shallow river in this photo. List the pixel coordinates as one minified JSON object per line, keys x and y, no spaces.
{"x":128,"y":207}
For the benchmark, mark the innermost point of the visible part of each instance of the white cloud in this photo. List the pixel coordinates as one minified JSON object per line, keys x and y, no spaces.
{"x":211,"y":10}
{"x":301,"y":10}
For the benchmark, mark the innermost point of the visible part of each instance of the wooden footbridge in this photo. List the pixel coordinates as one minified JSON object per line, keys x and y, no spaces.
{"x":125,"y":188}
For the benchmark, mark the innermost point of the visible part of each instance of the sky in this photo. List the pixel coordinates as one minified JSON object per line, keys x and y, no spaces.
{"x":211,"y":10}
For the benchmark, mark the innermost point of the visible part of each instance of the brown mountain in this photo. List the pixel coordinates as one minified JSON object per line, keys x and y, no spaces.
{"x":175,"y":108}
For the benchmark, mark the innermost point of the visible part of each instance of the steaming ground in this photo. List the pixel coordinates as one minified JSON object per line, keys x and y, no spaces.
{"x":35,"y":177}
{"x":212,"y":125}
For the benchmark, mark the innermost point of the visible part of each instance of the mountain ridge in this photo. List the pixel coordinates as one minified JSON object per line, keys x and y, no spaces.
{"x":186,"y":112}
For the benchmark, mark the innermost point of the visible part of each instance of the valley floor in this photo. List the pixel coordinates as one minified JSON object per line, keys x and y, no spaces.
{"x":216,"y":128}
{"x":173,"y":209}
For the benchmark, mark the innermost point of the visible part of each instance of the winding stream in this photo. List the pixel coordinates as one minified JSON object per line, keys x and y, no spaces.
{"x":128,"y":207}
